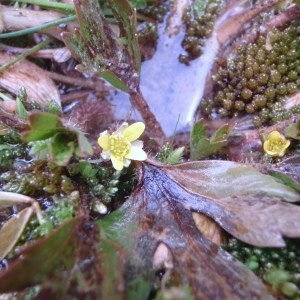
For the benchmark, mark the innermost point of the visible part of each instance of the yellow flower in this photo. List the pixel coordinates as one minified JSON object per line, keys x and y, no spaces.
{"x":276,"y":144}
{"x":122,"y":145}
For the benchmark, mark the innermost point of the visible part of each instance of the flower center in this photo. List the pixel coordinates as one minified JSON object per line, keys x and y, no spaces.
{"x":119,"y":146}
{"x":277,"y":145}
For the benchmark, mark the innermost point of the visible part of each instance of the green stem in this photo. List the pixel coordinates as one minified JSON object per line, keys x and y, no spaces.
{"x":49,"y":4}
{"x":37,"y":28}
{"x":25,"y":54}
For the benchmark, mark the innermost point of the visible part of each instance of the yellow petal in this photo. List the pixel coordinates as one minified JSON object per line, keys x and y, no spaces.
{"x":103,"y":141}
{"x":121,"y":129}
{"x":287,"y":144}
{"x":266,"y":146}
{"x":133,"y":132}
{"x":274,"y":135}
{"x":117,"y":164}
{"x":136,"y":153}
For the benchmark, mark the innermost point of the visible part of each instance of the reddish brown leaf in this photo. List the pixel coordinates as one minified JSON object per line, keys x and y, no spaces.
{"x":248,"y":204}
{"x":163,"y":243}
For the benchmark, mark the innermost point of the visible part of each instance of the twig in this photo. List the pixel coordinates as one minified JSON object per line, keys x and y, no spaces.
{"x":49,"y":4}
{"x":138,"y":101}
{"x":24,"y":55}
{"x":37,"y":28}
{"x":97,"y":86}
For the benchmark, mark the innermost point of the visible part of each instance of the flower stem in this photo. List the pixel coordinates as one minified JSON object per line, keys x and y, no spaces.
{"x":138,"y":101}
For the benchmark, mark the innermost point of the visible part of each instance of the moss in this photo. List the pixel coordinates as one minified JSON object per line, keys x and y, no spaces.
{"x":268,"y":262}
{"x":102,"y":182}
{"x":199,"y":21}
{"x":11,"y":148}
{"x":155,"y":9}
{"x":258,"y":79}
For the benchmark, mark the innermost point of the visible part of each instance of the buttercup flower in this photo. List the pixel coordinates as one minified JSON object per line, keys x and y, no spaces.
{"x":276,"y":144}
{"x":122,"y":145}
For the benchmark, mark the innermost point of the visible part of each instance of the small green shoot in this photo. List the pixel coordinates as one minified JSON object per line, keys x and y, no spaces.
{"x":293,"y":131}
{"x":169,"y":155}
{"x":64,"y":141}
{"x":202,"y":146}
{"x":20,"y":108}
{"x":35,"y":29}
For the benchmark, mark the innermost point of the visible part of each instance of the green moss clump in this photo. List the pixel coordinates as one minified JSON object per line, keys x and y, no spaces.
{"x":155,"y":9}
{"x":259,"y":78}
{"x":36,"y":178}
{"x":102,"y":182}
{"x":199,"y":20}
{"x":265,"y":262}
{"x":11,"y":148}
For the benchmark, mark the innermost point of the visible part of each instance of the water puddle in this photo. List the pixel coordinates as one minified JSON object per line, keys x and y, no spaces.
{"x":172,"y":90}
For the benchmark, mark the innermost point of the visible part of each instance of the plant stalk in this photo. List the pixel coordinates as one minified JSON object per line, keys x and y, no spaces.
{"x":138,"y":101}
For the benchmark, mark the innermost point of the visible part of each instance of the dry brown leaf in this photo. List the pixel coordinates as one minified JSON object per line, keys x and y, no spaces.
{"x":39,"y":87}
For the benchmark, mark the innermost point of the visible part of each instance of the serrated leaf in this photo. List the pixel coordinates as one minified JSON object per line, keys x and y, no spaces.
{"x":246,"y":203}
{"x":221,"y":134}
{"x":202,"y":146}
{"x":175,"y":156}
{"x":12,"y":230}
{"x":157,"y":214}
{"x":42,"y":126}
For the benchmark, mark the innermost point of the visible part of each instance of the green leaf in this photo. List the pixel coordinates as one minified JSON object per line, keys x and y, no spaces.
{"x":20,"y":108}
{"x":202,"y":146}
{"x":289,"y":181}
{"x":12,"y":230}
{"x":221,"y":135}
{"x":174,"y":156}
{"x":85,"y":147}
{"x":115,"y":81}
{"x":42,"y":126}
{"x":84,"y":168}
{"x":276,"y":277}
{"x":39,"y":149}
{"x":62,"y":148}
{"x":293,"y":131}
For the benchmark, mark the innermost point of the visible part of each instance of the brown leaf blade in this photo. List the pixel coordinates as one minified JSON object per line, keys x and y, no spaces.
{"x":154,"y":218}
{"x":38,"y":259}
{"x":246,"y":203}
{"x":12,"y":230}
